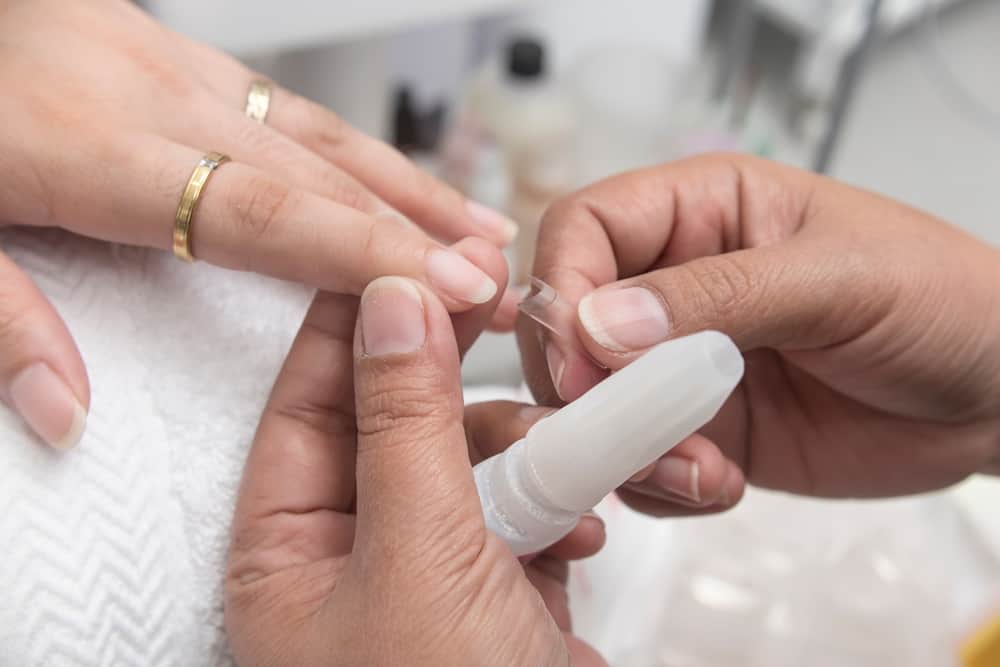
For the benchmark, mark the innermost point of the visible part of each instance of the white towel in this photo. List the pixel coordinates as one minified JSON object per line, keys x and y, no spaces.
{"x":112,"y":554}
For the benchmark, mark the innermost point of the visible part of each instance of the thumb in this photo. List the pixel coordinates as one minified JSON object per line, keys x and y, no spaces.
{"x":414,"y":480}
{"x":42,"y":377}
{"x":793,"y":295}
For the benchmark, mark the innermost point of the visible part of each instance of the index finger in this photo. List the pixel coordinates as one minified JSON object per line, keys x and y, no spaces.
{"x":647,"y":219}
{"x":298,"y":483}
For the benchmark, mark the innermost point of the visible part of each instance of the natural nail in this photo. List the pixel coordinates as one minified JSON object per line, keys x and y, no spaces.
{"x":458,"y":277}
{"x":624,"y":320}
{"x":48,"y":405}
{"x":557,"y":366}
{"x":678,"y":476}
{"x":593,"y":515}
{"x":392,"y":317}
{"x":497,"y":224}
{"x":643,"y":474}
{"x":529,"y":414}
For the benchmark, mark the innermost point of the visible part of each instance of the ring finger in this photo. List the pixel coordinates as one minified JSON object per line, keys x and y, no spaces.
{"x":434,"y":206}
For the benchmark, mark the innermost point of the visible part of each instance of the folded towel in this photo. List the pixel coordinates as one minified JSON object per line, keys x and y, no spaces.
{"x":112,"y":554}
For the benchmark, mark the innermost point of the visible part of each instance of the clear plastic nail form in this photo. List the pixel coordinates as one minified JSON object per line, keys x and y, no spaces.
{"x":556,"y":315}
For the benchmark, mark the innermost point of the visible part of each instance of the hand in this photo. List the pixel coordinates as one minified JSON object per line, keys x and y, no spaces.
{"x":106,"y":113}
{"x":871,"y":330}
{"x":358,"y":537}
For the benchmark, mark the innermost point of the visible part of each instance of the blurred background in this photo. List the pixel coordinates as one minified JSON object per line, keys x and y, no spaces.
{"x":516,"y":102}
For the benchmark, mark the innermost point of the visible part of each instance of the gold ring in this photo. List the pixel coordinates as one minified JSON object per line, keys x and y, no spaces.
{"x":185,"y":210}
{"x":258,"y":101}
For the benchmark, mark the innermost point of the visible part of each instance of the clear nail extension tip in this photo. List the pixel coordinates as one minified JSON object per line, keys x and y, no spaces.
{"x":556,"y":315}
{"x":543,"y":305}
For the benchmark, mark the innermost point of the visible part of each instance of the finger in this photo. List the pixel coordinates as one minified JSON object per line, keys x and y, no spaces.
{"x":585,"y":540}
{"x":298,"y":483}
{"x":42,"y":376}
{"x":494,"y":426}
{"x":992,"y":466}
{"x":436,"y":207}
{"x":789,"y":296}
{"x":693,"y":473}
{"x":549,"y":576}
{"x":415,"y":492}
{"x":470,"y":324}
{"x":657,"y":504}
{"x":581,"y":653}
{"x":506,"y":313}
{"x":229,"y":131}
{"x":247,"y":219}
{"x":636,"y":222}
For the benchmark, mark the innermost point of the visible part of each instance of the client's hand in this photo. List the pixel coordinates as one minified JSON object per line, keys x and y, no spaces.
{"x":358,"y":537}
{"x":871,"y":330}
{"x":106,"y":114}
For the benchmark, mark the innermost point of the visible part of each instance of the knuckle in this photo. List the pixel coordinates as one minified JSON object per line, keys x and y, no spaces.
{"x":167,"y":178}
{"x":565,"y":207}
{"x":411,"y":411}
{"x":21,"y":311}
{"x":15,"y":321}
{"x":322,"y":130}
{"x":258,"y":203}
{"x":345,"y":190}
{"x":402,"y":413}
{"x":253,"y":136}
{"x":721,"y":284}
{"x":384,"y":245}
{"x":371,"y":246}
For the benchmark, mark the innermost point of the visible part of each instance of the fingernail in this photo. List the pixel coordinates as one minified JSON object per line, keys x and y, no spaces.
{"x":459,"y":278}
{"x":392,"y":317}
{"x":593,"y":515}
{"x":678,"y":476}
{"x":495,"y":223}
{"x":623,"y":320}
{"x":643,"y":474}
{"x":49,"y":406}
{"x":557,"y":365}
{"x":530,"y":414}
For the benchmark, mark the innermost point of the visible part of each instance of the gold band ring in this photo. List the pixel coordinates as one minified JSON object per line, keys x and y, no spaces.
{"x":258,"y":101}
{"x":185,"y":210}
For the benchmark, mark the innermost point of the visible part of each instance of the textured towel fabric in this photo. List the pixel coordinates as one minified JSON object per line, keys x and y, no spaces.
{"x":112,"y":554}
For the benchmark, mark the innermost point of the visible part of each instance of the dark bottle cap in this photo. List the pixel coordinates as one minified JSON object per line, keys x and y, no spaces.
{"x":525,"y":58}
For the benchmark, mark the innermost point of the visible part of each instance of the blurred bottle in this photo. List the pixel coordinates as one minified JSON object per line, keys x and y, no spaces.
{"x":515,"y":116}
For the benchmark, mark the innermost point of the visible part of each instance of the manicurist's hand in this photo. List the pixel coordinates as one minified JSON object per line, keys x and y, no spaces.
{"x":105,"y":116}
{"x":358,"y":537}
{"x":871,"y":330}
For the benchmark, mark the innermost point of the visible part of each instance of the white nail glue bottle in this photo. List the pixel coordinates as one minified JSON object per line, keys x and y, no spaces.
{"x":534,"y":493}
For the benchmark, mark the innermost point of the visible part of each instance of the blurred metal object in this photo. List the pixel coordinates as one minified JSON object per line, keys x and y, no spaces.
{"x":189,"y":201}
{"x":258,"y":101}
{"x":983,"y":648}
{"x":846,"y":88}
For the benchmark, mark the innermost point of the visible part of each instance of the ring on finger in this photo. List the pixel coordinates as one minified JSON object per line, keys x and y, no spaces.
{"x":189,"y":200}
{"x":258,"y":101}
